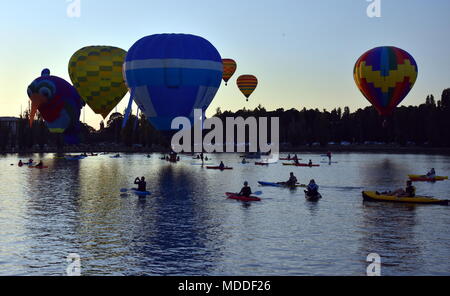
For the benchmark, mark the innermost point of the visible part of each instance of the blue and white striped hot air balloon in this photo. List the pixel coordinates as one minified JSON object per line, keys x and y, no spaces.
{"x":170,"y":75}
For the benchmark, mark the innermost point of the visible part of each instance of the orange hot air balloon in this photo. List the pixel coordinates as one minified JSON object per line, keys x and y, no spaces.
{"x":247,"y":84}
{"x":229,"y":67}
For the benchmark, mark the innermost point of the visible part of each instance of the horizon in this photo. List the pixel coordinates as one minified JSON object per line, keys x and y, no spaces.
{"x":302,"y":51}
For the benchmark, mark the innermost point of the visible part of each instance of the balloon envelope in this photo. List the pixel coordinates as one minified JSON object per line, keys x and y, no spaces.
{"x":169,"y":75}
{"x":96,"y":73}
{"x":229,"y":68}
{"x":385,"y":75}
{"x":59,"y":104}
{"x":247,"y":84}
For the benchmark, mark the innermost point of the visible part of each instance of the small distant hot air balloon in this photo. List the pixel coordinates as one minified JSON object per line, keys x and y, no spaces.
{"x":59,"y":104}
{"x":96,"y":72}
{"x":385,"y":75}
{"x":229,"y":67}
{"x":170,"y":75}
{"x":247,"y":84}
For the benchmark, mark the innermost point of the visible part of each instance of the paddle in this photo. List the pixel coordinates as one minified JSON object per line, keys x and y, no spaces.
{"x":258,"y":193}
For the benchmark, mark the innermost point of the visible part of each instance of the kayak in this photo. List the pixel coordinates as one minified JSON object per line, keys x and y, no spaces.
{"x":313,"y":198}
{"x":242,"y":198}
{"x":74,"y":157}
{"x":140,"y":193}
{"x":261,"y":163}
{"x":372,"y":196}
{"x":36,"y":167}
{"x":427,"y":179}
{"x":262,"y":183}
{"x":218,"y":168}
{"x":302,"y":164}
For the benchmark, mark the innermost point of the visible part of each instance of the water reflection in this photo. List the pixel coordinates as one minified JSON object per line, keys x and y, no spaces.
{"x":388,"y":230}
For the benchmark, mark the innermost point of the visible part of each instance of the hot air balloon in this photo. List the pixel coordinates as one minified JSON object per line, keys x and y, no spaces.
{"x":247,"y":84}
{"x":59,"y":104}
{"x":169,"y":75}
{"x":229,"y":67}
{"x":96,"y":72}
{"x":385,"y":75}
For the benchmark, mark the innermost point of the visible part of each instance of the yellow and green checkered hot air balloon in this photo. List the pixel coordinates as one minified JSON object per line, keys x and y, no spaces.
{"x":96,"y":73}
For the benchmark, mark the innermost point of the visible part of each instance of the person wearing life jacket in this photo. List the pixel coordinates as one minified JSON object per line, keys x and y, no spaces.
{"x":431,"y":174}
{"x":246,"y":190}
{"x":312,"y":189}
{"x":292,"y":180}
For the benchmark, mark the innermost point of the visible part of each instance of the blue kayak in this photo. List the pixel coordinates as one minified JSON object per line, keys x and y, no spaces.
{"x":75,"y":157}
{"x":140,"y":193}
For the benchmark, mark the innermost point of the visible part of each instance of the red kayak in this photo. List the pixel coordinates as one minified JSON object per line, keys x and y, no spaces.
{"x":218,"y":168}
{"x":242,"y":198}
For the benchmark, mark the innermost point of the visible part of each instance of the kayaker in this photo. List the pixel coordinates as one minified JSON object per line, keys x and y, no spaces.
{"x":20,"y":163}
{"x":289,"y":156}
{"x":310,"y":162}
{"x":296,"y":161}
{"x":206,"y":158}
{"x":40,"y":164}
{"x":295,"y":158}
{"x":409,"y":191}
{"x":292,"y":180}
{"x":246,"y":190}
{"x":431,"y":174}
{"x":30,"y":161}
{"x":244,"y":161}
{"x":329,"y":155}
{"x":142,"y":185}
{"x":312,"y":189}
{"x":221,"y":165}
{"x":117,"y":155}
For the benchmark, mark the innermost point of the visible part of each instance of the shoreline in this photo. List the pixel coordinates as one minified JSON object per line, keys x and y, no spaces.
{"x":302,"y":149}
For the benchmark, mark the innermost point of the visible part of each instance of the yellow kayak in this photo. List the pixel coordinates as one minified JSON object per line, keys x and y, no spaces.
{"x":372,"y":196}
{"x":426,"y":179}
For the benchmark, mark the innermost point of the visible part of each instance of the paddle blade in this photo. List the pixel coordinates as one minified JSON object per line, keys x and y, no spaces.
{"x":258,"y":193}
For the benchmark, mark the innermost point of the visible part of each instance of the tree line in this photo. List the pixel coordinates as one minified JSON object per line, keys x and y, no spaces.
{"x":427,"y":124}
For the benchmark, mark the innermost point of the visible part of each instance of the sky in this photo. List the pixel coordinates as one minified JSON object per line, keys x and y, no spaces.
{"x":302,"y":51}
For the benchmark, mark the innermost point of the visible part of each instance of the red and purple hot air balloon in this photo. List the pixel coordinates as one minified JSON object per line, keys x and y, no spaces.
{"x":59,"y":104}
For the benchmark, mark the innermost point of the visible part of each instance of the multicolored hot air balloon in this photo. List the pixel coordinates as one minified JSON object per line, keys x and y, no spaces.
{"x":59,"y":104}
{"x":385,"y":75}
{"x":170,"y":75}
{"x":96,"y":72}
{"x":229,"y":67}
{"x":247,"y":84}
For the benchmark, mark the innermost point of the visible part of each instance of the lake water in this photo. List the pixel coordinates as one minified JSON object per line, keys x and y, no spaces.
{"x":188,"y":227}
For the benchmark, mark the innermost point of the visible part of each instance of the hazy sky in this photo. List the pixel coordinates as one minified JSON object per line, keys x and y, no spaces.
{"x":302,"y":52}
